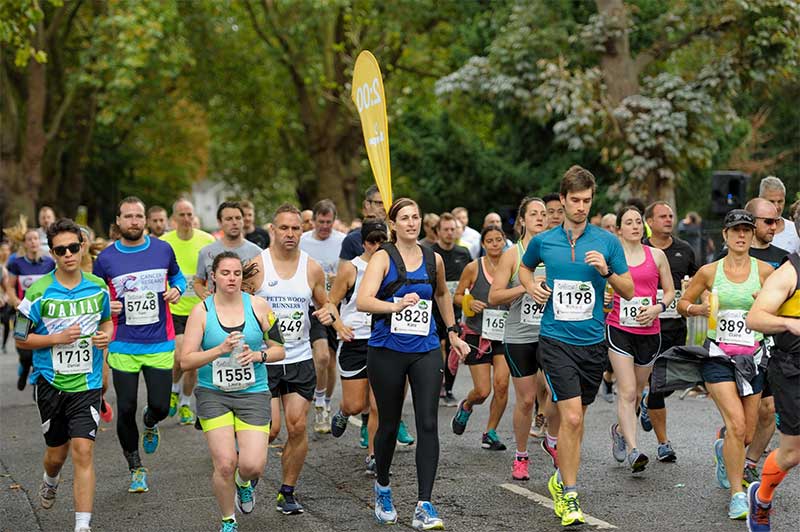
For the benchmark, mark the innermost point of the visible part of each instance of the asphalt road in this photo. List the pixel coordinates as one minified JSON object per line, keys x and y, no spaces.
{"x":473,"y":492}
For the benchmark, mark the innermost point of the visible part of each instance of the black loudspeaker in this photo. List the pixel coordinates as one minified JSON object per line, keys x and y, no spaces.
{"x":728,"y":191}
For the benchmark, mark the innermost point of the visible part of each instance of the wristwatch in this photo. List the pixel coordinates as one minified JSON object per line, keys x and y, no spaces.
{"x":454,"y":328}
{"x":263,"y":357}
{"x":607,"y":275}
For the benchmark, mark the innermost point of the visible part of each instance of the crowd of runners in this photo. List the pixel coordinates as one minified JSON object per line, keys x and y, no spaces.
{"x":246,"y":331}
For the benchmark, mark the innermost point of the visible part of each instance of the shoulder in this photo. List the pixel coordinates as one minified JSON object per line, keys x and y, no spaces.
{"x":201,"y":236}
{"x":210,"y":248}
{"x":464,"y":252}
{"x":658,"y":254}
{"x":764,"y":268}
{"x":39,"y":288}
{"x":95,"y":280}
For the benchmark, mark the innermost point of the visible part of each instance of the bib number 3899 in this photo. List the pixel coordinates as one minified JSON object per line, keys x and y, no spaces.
{"x":415,"y":319}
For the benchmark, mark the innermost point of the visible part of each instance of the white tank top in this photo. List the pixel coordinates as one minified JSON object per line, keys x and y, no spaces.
{"x":289,"y":299}
{"x":360,"y":322}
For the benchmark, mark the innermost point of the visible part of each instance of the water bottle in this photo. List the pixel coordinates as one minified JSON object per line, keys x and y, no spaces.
{"x":237,"y":350}
{"x":466,"y":303}
{"x":713,"y":310}
{"x":610,"y":306}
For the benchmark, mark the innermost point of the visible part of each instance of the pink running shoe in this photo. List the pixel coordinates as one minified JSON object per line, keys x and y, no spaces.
{"x":519,"y":470}
{"x":106,"y":413}
{"x":551,"y":451}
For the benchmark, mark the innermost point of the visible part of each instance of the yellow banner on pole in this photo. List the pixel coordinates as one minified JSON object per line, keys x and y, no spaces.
{"x":370,"y":102}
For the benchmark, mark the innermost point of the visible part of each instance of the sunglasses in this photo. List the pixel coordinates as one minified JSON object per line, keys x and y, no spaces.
{"x":768,"y":221}
{"x":62,"y":250}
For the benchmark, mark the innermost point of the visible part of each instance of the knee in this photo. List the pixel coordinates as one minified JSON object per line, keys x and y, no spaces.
{"x":480,"y":392}
{"x":737,"y":430}
{"x":501,"y":388}
{"x":225,"y":467}
{"x":82,"y":453}
{"x":295,"y":427}
{"x":322,"y":356}
{"x":427,"y":425}
{"x":572,"y":420}
{"x":626,"y":395}
{"x":766,"y":410}
{"x":525,"y":402}
{"x":253,"y":467}
{"x":351,"y":407}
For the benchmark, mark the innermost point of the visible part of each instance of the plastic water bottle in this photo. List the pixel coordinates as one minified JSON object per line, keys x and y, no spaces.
{"x":237,"y":350}
{"x":713,"y":310}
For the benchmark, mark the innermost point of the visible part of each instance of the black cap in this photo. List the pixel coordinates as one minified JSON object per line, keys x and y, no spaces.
{"x":370,"y":226}
{"x":739,"y":217}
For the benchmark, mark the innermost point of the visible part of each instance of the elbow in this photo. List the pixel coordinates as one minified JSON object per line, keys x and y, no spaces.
{"x":627,"y":290}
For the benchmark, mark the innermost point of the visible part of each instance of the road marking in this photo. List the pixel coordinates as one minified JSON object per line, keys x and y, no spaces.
{"x":548,"y":503}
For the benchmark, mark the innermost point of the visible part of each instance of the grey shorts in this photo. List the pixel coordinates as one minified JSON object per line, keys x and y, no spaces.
{"x":251,"y":408}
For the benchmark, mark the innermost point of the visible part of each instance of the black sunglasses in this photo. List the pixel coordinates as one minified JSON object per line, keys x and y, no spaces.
{"x":768,"y":221}
{"x":62,"y":250}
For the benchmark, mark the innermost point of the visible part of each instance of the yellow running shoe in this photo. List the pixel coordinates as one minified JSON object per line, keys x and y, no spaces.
{"x":173,"y":403}
{"x":556,"y":489}
{"x":186,"y":415}
{"x":571,"y":507}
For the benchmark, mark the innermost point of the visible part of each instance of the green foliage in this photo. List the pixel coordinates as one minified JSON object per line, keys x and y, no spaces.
{"x":18,"y":21}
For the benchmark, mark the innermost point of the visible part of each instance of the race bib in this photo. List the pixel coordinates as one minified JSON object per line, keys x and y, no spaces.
{"x":141,"y":308}
{"x":229,"y":376}
{"x":189,"y":287}
{"x":291,"y":325}
{"x":629,"y":310}
{"x":573,"y":300}
{"x":493,"y":324}
{"x":732,"y":329}
{"x":73,"y":358}
{"x":451,"y":286}
{"x":415,"y":319}
{"x":672,"y":310}
{"x":359,"y":319}
{"x":531,"y":312}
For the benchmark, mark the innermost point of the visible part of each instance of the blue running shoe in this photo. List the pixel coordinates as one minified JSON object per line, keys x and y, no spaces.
{"x":138,"y":481}
{"x":491,"y":441}
{"x":364,"y":440}
{"x":758,"y":514}
{"x":618,"y":448}
{"x":426,"y":517}
{"x":385,"y":512}
{"x":644,"y":415}
{"x":338,"y":424}
{"x":459,"y":422}
{"x":288,"y":505}
{"x":722,"y":473}
{"x":245,"y":497}
{"x":666,"y":453}
{"x":150,"y":437}
{"x":403,"y":437}
{"x":229,"y":526}
{"x":738,"y":507}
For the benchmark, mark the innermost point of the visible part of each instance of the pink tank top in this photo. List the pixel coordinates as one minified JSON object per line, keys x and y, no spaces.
{"x":645,"y":284}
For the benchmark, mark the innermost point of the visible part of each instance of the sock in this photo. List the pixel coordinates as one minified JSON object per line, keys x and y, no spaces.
{"x":231,"y":518}
{"x":51,"y":481}
{"x":286,"y":489}
{"x":186,"y":400}
{"x":82,"y":520}
{"x":327,"y":401}
{"x":319,"y":397}
{"x":552,"y":441}
{"x":522,"y":455}
{"x":568,"y":489}
{"x":558,"y":476}
{"x":176,"y":387}
{"x":750,"y":463}
{"x":239,"y":482}
{"x":771,"y":477}
{"x":134,"y":462}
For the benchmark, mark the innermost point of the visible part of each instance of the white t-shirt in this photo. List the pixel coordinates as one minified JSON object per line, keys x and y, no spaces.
{"x":472,"y":239}
{"x":325,"y":252}
{"x":787,"y":239}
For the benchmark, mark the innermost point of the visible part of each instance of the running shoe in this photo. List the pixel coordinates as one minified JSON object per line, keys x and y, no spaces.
{"x":47,"y":495}
{"x":459,"y":422}
{"x":721,"y":432}
{"x":644,"y":414}
{"x":750,"y":475}
{"x":666,"y":453}
{"x":607,"y":391}
{"x":552,"y":452}
{"x":186,"y":415}
{"x":229,"y":526}
{"x":572,"y":514}
{"x":364,"y":440}
{"x":150,"y":436}
{"x":757,"y":515}
{"x":637,"y":461}
{"x":426,"y":517}
{"x":138,"y":481}
{"x":106,"y":412}
{"x":738,"y":507}
{"x":245,"y":497}
{"x":556,"y":490}
{"x":385,"y":512}
{"x":491,"y":441}
{"x":321,"y":421}
{"x":371,"y":468}
{"x":618,"y":448}
{"x":722,"y":474}
{"x":338,"y":424}
{"x":449,"y":399}
{"x":538,"y":426}
{"x":287,"y":504}
{"x":403,"y":437}
{"x":173,"y":403}
{"x":519,"y":471}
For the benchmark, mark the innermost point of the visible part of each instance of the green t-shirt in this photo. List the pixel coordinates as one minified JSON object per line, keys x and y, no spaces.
{"x":186,"y":252}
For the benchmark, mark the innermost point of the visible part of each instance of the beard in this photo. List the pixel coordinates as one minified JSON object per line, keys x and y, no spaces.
{"x":132,"y":234}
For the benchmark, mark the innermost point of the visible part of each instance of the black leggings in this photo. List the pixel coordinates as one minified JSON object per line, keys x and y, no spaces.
{"x":126,"y":386}
{"x":387,"y":371}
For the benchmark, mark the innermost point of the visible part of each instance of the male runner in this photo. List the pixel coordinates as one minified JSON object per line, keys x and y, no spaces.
{"x":767,"y":220}
{"x":290,"y":280}
{"x":579,"y":258}
{"x":470,"y":237}
{"x":24,"y":270}
{"x":682,"y":263}
{"x":323,"y":244}
{"x":772,"y":189}
{"x":156,"y":221}
{"x":252,"y":232}
{"x":555,"y":210}
{"x":65,"y":319}
{"x":138,"y":269}
{"x":46,"y":216}
{"x":186,"y":242}
{"x":372,"y":208}
{"x":308,"y":220}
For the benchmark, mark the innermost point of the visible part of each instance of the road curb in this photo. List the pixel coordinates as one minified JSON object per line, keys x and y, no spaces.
{"x":16,"y":510}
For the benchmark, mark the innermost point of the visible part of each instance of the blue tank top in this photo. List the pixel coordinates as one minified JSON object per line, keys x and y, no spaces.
{"x":405,"y":343}
{"x":215,"y":335}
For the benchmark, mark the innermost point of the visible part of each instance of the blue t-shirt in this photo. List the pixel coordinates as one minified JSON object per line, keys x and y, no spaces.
{"x":352,"y":246}
{"x":553,"y":248}
{"x":28,"y":272}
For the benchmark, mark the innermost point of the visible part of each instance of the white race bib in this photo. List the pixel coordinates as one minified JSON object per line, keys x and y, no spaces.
{"x":74,"y":358}
{"x":189,"y":287}
{"x":415,"y":319}
{"x":732,"y":329}
{"x":493,"y":324}
{"x":291,"y":324}
{"x":629,"y":310}
{"x":141,"y":308}
{"x":573,"y":300}
{"x":672,"y":310}
{"x":229,"y":376}
{"x":531,"y":312}
{"x":451,"y":286}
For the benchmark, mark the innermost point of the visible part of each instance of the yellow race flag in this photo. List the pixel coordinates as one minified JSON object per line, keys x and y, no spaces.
{"x":370,"y":102}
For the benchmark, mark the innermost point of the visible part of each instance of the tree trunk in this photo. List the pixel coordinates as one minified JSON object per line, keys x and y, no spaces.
{"x":335,"y":181}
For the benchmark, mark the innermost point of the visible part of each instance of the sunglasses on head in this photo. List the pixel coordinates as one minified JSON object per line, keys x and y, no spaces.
{"x":768,"y":221}
{"x":62,"y":250}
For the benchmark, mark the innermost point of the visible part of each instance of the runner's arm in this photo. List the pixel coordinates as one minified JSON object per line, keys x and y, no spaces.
{"x":775,"y":290}
{"x":467,"y":279}
{"x":665,"y":277}
{"x":9,"y":283}
{"x":500,"y":293}
{"x":699,"y":284}
{"x":344,"y":280}
{"x":326,"y":313}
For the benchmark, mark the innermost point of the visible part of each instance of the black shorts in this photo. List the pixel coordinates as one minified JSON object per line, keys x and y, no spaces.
{"x":319,"y":331}
{"x":522,"y":359}
{"x":572,"y":370}
{"x":784,"y":377}
{"x":672,"y":337}
{"x":642,"y":348}
{"x":473,"y":359}
{"x":719,"y":369}
{"x":299,"y":378}
{"x":351,"y":359}
{"x":67,"y":415}
{"x":179,"y":323}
